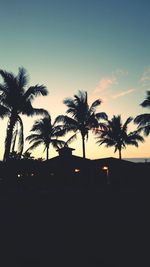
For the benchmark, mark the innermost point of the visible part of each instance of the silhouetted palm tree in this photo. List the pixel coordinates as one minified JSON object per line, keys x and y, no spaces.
{"x":143,"y":120}
{"x":3,"y":112}
{"x":45,"y":133}
{"x":82,"y":116}
{"x":17,"y":99}
{"x":116,"y":134}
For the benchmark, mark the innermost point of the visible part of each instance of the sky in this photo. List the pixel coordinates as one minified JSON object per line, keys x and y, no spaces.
{"x":100,"y":46}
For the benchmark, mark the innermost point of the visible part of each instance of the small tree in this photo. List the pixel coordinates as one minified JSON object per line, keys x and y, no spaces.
{"x":17,"y":99}
{"x":115,"y":134}
{"x":82,"y":117}
{"x":45,"y":133}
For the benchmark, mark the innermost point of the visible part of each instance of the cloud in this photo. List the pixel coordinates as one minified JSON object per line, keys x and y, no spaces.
{"x":145,"y":79}
{"x":123,"y":93}
{"x":105,"y":84}
{"x":109,"y":83}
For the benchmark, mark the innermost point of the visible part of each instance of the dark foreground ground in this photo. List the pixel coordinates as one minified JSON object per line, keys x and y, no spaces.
{"x":105,"y":227}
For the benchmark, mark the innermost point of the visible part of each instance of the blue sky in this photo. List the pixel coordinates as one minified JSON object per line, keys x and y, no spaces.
{"x":99,"y":46}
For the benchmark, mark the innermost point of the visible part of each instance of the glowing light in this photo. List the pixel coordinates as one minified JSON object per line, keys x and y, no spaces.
{"x":76,"y":170}
{"x":105,"y":168}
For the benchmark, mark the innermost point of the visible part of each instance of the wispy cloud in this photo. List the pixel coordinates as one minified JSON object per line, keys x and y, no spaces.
{"x":123,"y":93}
{"x":105,"y":84}
{"x":108,"y":84}
{"x":145,"y":79}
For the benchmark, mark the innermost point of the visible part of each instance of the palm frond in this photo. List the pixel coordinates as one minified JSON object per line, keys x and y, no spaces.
{"x":67,"y":121}
{"x":3,"y":90}
{"x":71,"y":139}
{"x":59,"y":131}
{"x":146,"y":102}
{"x":34,"y":137}
{"x":22,"y":78}
{"x":145,"y":130}
{"x":60,"y":118}
{"x":35,"y":145}
{"x":8,"y":77}
{"x":125,"y":125}
{"x":38,"y":126}
{"x":108,"y":142}
{"x":102,"y":127}
{"x":34,"y":91}
{"x":101,"y":115}
{"x":4,"y":112}
{"x":142,"y":120}
{"x":57,"y":143}
{"x":94,"y":105}
{"x":134,"y":136}
{"x":81,"y":97}
{"x":132,"y":142}
{"x":69,"y":102}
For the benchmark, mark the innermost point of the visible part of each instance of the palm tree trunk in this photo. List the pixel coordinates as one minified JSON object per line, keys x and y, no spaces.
{"x":120,"y":157}
{"x":83,"y":145}
{"x":47,"y":152}
{"x":14,"y":141}
{"x":8,"y":140}
{"x":21,"y":137}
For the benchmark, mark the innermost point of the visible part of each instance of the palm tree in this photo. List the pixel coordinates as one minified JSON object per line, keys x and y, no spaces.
{"x":46,"y":133}
{"x":143,"y":120}
{"x":82,"y":116}
{"x":115,"y":134}
{"x":17,"y":99}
